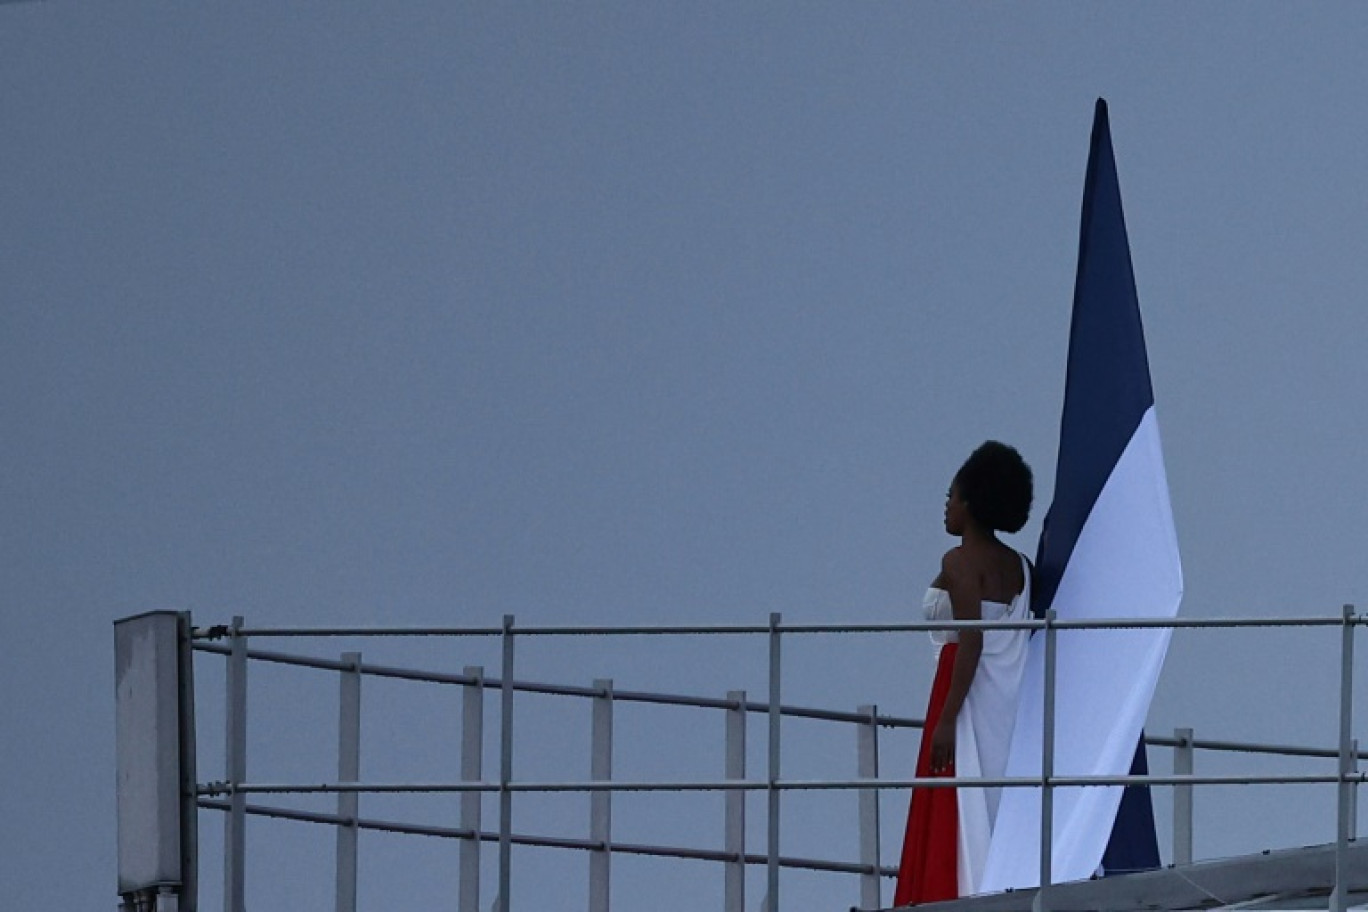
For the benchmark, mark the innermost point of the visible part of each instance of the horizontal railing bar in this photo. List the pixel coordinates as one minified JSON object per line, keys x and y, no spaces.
{"x":1077,"y":781}
{"x":1120,"y":623}
{"x":389,"y":826}
{"x":1246,"y":747}
{"x":303,"y":661}
{"x":830,"y":715}
{"x":219,"y":631}
{"x":567,"y":690}
{"x":203,"y":636}
{"x":415,"y":829}
{"x":260,"y":788}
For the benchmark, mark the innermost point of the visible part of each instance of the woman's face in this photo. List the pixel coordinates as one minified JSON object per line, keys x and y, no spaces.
{"x":956,"y":511}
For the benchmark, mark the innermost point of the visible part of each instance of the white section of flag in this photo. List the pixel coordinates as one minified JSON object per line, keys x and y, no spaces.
{"x":1125,"y":564}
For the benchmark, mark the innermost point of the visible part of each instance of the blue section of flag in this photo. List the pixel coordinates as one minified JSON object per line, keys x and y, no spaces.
{"x":1134,"y":844}
{"x":1106,"y":393}
{"x":1107,"y":388}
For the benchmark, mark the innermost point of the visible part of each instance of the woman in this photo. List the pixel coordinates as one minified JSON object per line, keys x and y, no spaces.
{"x":973,"y":698}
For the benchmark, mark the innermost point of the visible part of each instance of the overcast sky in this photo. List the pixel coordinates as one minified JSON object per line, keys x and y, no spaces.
{"x":424,"y":313}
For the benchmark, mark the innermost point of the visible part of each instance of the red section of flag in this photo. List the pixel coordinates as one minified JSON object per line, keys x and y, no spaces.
{"x":929,"y":871}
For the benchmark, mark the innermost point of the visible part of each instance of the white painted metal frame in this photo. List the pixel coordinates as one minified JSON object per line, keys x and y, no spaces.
{"x":1047,"y":768}
{"x":235,"y":766}
{"x":599,"y":845}
{"x":472,"y":748}
{"x":1339,"y":900}
{"x":734,"y":840}
{"x":348,"y":770}
{"x":867,"y":767}
{"x":601,"y":802}
{"x":1182,"y":797}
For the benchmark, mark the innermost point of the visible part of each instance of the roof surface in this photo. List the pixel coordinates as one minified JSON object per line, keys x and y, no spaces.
{"x":1283,"y":879}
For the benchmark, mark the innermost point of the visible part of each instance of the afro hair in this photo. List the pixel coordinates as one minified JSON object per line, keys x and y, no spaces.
{"x":996,"y":485}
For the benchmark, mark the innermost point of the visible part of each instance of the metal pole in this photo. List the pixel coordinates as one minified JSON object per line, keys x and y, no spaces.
{"x":1182,"y":797}
{"x":1353,"y":790}
{"x":734,"y":886}
{"x":506,"y":767}
{"x":235,"y":743}
{"x":472,"y":743}
{"x":187,"y":899}
{"x":867,"y":767}
{"x":1339,"y":897}
{"x":348,"y":770}
{"x":601,"y":803}
{"x":772,"y":851}
{"x":1040,"y":903}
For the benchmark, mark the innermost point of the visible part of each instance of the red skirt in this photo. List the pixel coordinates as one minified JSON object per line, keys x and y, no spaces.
{"x":929,"y":870}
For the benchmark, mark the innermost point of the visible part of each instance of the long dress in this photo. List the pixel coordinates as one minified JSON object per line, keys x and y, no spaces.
{"x":948,"y":829}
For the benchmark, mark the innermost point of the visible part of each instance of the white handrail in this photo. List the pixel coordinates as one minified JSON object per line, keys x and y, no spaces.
{"x":599,"y":845}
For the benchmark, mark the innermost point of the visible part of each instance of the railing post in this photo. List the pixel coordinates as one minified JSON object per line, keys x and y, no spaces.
{"x":734,"y":838}
{"x":1339,"y":897}
{"x":235,"y":747}
{"x":472,"y":744}
{"x":1353,"y":791}
{"x":772,"y":850}
{"x":1182,"y":797}
{"x":601,"y":802}
{"x":189,"y":767}
{"x":1041,"y":904}
{"x":348,"y":770}
{"x":506,"y":767}
{"x":867,"y":767}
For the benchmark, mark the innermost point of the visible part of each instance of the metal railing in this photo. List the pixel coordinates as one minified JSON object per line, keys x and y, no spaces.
{"x":230,"y":795}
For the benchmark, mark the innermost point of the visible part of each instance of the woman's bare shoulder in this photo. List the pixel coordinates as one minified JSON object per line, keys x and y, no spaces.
{"x":959,"y":565}
{"x":957,"y":558}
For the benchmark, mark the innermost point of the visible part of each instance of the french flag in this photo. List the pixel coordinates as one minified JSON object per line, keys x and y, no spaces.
{"x":1108,"y":550}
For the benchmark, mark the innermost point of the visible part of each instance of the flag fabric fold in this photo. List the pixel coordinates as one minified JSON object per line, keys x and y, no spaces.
{"x":1108,"y":550}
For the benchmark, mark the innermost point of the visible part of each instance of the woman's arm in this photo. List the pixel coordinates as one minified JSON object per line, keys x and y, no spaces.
{"x":966,"y":604}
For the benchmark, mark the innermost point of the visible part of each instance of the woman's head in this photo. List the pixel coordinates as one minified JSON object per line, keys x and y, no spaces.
{"x":995,"y":486}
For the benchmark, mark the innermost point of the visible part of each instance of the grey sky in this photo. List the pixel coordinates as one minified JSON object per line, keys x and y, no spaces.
{"x":428,"y":312}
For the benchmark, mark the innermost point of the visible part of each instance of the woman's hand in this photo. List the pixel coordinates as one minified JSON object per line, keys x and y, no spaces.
{"x":943,"y":746}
